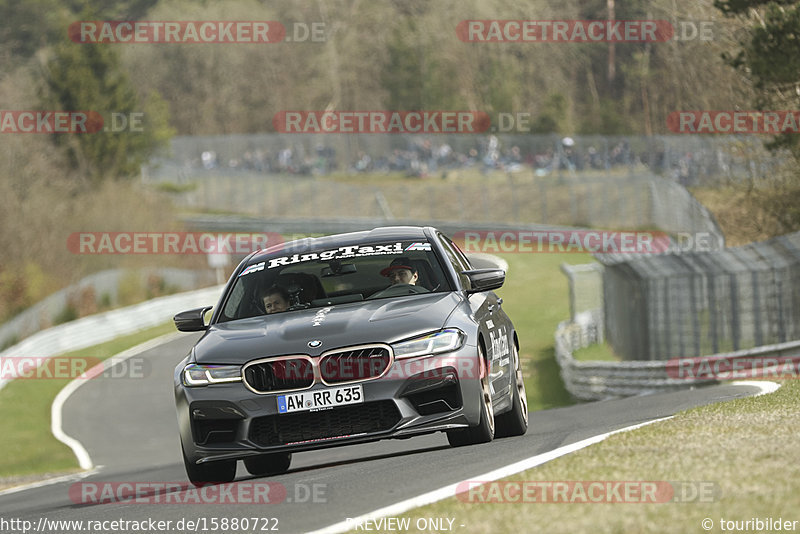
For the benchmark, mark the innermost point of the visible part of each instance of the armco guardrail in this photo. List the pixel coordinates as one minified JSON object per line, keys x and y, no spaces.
{"x":602,"y":380}
{"x":103,"y":327}
{"x":103,"y":284}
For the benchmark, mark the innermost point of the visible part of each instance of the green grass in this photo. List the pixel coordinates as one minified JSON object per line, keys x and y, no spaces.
{"x":25,"y":439}
{"x":519,"y":197}
{"x":742,"y":449}
{"x":536,"y":297}
{"x":171,"y":187}
{"x":596,"y":352}
{"x":463,"y":175}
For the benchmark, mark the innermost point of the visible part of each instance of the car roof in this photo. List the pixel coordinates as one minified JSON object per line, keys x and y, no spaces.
{"x":383,"y":233}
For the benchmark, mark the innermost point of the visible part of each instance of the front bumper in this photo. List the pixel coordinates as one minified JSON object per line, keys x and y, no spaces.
{"x":417,"y":396}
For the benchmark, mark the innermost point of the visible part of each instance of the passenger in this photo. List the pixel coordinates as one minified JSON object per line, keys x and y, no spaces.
{"x":275,"y":299}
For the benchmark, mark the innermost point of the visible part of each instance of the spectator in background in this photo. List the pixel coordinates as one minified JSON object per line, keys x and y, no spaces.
{"x":209,"y":159}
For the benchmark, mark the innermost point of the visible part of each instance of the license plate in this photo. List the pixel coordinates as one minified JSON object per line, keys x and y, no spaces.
{"x":322,"y":398}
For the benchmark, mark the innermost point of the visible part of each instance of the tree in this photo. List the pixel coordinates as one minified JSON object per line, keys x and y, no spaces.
{"x":88,"y":77}
{"x":769,"y":56}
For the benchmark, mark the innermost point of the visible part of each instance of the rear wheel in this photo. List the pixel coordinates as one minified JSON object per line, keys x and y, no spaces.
{"x":483,"y":432}
{"x":211,"y":472}
{"x":268,"y":464}
{"x":515,"y":421}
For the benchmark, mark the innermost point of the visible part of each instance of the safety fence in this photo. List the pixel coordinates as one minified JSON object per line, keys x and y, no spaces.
{"x":96,"y":291}
{"x":686,"y":159}
{"x":102,"y":327}
{"x":638,"y":201}
{"x":658,"y":307}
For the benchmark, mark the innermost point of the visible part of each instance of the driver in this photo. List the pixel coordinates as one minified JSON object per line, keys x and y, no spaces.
{"x":400,"y":271}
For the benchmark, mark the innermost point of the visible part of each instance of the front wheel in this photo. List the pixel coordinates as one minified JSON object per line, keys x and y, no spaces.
{"x":268,"y":464}
{"x":515,"y":421}
{"x":211,"y":472}
{"x":483,"y":432}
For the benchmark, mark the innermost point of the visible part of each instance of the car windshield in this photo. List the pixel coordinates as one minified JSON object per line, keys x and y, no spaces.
{"x":287,"y":281}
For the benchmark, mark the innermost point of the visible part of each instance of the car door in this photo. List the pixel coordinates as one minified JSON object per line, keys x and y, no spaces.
{"x":492,"y":322}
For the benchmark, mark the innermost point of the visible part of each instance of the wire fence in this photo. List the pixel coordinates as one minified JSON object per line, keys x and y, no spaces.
{"x":633,"y":201}
{"x":699,"y":303}
{"x":594,"y":181}
{"x":686,"y":159}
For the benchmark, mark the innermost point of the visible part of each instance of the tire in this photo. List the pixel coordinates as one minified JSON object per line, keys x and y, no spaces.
{"x":515,"y":421}
{"x":483,"y":432}
{"x":211,"y":472}
{"x":268,"y":464}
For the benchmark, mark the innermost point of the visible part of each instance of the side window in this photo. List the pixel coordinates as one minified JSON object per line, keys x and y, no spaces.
{"x":232,"y":304}
{"x":457,"y":262}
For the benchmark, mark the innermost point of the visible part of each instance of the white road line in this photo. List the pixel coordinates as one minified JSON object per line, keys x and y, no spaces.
{"x":49,"y":481}
{"x":507,"y":471}
{"x":764,"y":385}
{"x":451,"y":490}
{"x":56,"y":419}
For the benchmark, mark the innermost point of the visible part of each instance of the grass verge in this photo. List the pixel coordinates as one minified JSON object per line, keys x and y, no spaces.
{"x":596,"y":352}
{"x":25,"y":438}
{"x":741,"y":448}
{"x":536,"y":297}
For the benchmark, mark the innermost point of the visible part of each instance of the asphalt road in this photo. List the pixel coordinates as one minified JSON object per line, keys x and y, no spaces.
{"x":128,"y":426}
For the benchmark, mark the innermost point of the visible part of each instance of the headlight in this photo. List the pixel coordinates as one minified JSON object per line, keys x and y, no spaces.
{"x":202,"y":375}
{"x":446,"y":340}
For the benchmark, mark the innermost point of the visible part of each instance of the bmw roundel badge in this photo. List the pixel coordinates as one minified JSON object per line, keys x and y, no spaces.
{"x":314,"y":343}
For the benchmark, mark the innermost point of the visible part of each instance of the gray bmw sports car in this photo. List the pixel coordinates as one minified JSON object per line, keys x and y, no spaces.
{"x":344,"y":339}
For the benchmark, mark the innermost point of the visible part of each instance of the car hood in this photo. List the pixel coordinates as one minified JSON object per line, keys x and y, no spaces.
{"x":385,"y":321}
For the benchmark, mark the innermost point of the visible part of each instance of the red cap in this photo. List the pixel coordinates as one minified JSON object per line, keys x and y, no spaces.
{"x":398,"y":263}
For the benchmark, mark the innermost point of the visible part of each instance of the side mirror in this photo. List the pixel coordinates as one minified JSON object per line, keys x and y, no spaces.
{"x":192,"y":320}
{"x":484,"y":279}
